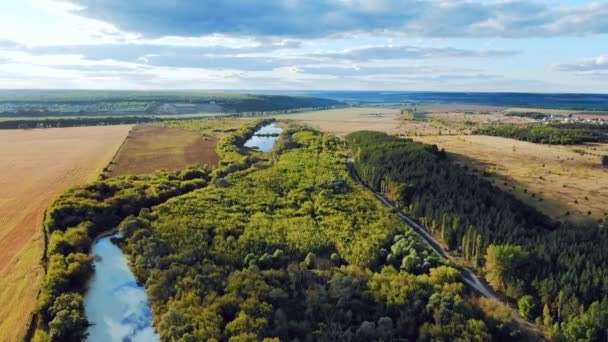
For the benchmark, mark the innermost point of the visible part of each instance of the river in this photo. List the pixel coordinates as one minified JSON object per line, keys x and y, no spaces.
{"x":261,"y":140}
{"x":114,"y":303}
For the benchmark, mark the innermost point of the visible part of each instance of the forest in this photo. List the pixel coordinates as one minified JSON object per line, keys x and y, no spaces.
{"x":287,"y":247}
{"x":555,"y":134}
{"x":553,"y":271}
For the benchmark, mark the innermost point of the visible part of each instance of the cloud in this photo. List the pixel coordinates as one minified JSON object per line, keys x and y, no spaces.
{"x":409,"y":52}
{"x":267,"y":55}
{"x":322,"y":18}
{"x":589,"y":64}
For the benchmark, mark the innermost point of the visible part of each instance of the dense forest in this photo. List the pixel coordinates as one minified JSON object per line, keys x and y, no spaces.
{"x":555,"y":271}
{"x":556,"y":134}
{"x":288,"y":247}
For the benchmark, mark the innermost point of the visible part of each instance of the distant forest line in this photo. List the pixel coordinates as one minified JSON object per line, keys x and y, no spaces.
{"x":46,"y":103}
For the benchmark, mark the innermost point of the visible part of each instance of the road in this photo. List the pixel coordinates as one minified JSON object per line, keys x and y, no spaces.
{"x":468,"y":275}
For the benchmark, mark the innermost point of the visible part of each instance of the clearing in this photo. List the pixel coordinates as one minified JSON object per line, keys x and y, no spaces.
{"x":37,"y":165}
{"x":149,"y":148}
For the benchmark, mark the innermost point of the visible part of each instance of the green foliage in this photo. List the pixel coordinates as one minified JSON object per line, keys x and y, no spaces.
{"x":522,"y":251}
{"x":79,"y":215}
{"x":291,"y":250}
{"x":556,"y":134}
{"x":527,"y":307}
{"x":288,"y":250}
{"x":503,"y":265}
{"x":106,"y":202}
{"x":69,"y":322}
{"x":230,"y":147}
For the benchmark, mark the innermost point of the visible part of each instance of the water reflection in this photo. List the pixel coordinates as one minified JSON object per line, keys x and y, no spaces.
{"x":117,"y":307}
{"x":264,"y":143}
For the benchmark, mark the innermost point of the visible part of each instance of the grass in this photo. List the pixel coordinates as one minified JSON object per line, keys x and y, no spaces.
{"x":36,"y":165}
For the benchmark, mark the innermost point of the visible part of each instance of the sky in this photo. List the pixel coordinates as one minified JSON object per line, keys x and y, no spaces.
{"x":399,"y":45}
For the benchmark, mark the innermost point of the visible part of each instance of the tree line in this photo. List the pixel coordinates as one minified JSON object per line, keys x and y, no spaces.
{"x":555,"y":271}
{"x":555,"y":134}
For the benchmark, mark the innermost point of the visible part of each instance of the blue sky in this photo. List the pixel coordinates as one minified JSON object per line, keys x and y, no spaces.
{"x":456,"y":45}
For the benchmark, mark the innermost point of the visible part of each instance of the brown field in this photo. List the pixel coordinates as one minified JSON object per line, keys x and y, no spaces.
{"x":36,"y":165}
{"x":149,"y":148}
{"x":566,"y":178}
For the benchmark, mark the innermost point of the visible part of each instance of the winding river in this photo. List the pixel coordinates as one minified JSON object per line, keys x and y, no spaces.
{"x":114,"y":303}
{"x":262,"y":140}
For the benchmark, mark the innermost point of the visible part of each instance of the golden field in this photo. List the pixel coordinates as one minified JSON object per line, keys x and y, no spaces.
{"x":37,"y":165}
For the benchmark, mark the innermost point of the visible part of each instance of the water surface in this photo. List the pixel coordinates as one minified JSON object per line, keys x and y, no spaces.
{"x":264,"y":143}
{"x":117,"y":307}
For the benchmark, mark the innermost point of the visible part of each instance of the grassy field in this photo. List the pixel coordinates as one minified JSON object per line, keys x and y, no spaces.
{"x":171,"y":145}
{"x":36,"y":165}
{"x":149,"y":148}
{"x":567,"y":181}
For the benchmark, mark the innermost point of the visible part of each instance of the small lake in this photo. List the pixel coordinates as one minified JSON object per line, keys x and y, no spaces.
{"x":117,"y":307}
{"x":261,"y":142}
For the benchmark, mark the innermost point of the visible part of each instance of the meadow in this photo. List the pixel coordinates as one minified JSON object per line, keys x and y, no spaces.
{"x":37,"y":165}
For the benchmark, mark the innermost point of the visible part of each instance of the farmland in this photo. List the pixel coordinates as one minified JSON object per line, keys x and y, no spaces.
{"x":36,"y":165}
{"x":172,"y":145}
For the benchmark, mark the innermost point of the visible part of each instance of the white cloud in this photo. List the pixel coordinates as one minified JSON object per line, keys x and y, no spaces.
{"x":589,"y":64}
